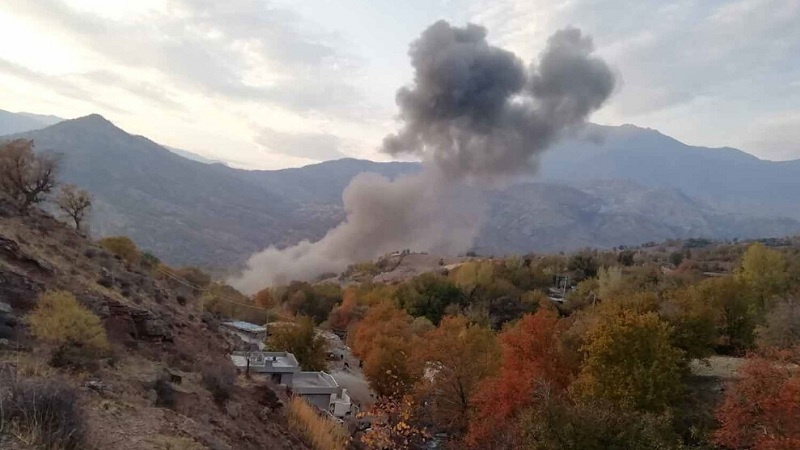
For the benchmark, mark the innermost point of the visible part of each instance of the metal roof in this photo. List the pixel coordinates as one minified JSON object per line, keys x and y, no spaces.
{"x":246,"y":326}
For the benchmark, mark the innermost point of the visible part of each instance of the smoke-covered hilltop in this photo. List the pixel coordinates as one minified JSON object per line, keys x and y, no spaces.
{"x":474,"y":113}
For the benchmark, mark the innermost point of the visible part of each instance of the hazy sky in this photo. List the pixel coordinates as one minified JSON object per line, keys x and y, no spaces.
{"x":268,"y":84}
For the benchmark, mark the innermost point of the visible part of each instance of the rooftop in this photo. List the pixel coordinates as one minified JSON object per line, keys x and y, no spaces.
{"x":314,"y":383}
{"x":246,"y":326}
{"x":267,"y":362}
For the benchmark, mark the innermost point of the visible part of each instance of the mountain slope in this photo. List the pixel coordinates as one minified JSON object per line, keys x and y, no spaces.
{"x":629,"y":190}
{"x":725,"y":178}
{"x":185,"y":211}
{"x":21,"y":122}
{"x":150,"y":394}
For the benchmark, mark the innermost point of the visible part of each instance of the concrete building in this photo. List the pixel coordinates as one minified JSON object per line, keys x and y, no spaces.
{"x":322,"y":391}
{"x":248,"y":332}
{"x":280,"y":366}
{"x":317,"y":388}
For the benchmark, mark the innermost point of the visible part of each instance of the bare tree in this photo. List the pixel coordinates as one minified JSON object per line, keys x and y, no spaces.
{"x":75,"y":203}
{"x":25,"y":178}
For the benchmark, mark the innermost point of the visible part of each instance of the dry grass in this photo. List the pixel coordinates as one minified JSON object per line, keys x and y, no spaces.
{"x":162,"y":442}
{"x":322,"y":433}
{"x":42,"y":412}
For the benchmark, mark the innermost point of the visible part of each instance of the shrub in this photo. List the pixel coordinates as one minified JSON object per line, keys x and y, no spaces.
{"x":321,"y":432}
{"x":219,"y":380}
{"x":46,"y":411}
{"x":121,"y":246}
{"x":74,"y":357}
{"x":59,"y":319}
{"x":165,"y":393}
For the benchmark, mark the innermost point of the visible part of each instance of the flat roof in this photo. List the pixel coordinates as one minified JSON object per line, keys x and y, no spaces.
{"x":246,"y":326}
{"x":269,"y":362}
{"x":313,"y":380}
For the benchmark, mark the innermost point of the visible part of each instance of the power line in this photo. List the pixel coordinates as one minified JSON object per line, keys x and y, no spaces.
{"x":198,"y":288}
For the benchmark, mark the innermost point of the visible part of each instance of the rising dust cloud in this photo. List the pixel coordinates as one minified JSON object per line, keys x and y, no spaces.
{"x":474,"y":114}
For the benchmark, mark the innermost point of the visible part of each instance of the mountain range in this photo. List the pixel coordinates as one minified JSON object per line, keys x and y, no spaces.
{"x":626,"y":185}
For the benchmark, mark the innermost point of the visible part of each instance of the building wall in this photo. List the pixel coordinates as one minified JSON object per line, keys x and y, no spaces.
{"x":321,"y":401}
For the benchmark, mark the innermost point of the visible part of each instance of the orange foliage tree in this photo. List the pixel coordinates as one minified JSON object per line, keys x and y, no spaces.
{"x":458,"y":356}
{"x":532,"y":356}
{"x":762,"y":410}
{"x":384,"y":341}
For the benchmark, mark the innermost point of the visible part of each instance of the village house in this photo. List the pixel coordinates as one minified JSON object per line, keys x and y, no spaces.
{"x":317,"y":388}
{"x":250,"y":333}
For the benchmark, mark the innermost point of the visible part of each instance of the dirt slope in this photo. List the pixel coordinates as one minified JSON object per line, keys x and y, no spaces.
{"x":156,"y":330}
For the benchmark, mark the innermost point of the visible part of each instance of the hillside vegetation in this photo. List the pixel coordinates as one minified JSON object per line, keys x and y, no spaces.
{"x":99,"y":349}
{"x":683,"y":344}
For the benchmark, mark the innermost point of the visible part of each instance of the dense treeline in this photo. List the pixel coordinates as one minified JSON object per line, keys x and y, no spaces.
{"x":489,"y":354}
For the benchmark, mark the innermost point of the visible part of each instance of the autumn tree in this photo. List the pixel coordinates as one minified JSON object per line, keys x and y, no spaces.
{"x":631,"y":363}
{"x":458,"y":356}
{"x":735,"y":309}
{"x":765,"y":271}
{"x":384,"y":340}
{"x":531,"y":356}
{"x":315,"y":301}
{"x":781,"y":328}
{"x":264,"y":298}
{"x":121,"y":246}
{"x":761,"y":410}
{"x":557,"y":422}
{"x":394,"y":425}
{"x":348,"y":312}
{"x":303,"y":341}
{"x":25,"y":178}
{"x":75,"y":203}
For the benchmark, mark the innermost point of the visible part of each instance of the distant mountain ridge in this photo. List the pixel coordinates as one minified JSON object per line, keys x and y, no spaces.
{"x":189,"y":212}
{"x":21,"y":122}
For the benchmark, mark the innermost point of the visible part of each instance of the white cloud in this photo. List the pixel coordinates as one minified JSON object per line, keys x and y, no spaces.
{"x":208,"y":75}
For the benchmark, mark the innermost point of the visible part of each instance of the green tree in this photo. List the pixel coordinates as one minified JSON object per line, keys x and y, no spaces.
{"x":428,"y":295}
{"x":558,"y":423}
{"x":303,"y":341}
{"x":631,"y":363}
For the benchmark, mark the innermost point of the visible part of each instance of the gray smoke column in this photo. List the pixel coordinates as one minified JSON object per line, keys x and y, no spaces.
{"x":475,"y":113}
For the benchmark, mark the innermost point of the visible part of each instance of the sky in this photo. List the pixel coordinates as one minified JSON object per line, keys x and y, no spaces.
{"x":268,"y":84}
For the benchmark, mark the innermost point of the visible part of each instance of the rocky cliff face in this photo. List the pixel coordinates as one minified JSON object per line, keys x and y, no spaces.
{"x":155,"y":331}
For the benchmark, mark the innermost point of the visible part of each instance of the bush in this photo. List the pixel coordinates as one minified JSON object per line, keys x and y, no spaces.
{"x":74,"y":357}
{"x":219,"y":380}
{"x":121,"y":246}
{"x":165,"y":393}
{"x":46,"y":411}
{"x":59,"y":319}
{"x":321,"y":432}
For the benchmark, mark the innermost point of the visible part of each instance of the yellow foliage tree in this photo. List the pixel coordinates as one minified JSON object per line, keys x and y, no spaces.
{"x":61,"y":320}
{"x":631,"y":362}
{"x":121,"y":246}
{"x":765,"y":271}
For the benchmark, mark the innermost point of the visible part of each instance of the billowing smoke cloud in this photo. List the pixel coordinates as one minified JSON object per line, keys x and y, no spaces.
{"x":474,"y":113}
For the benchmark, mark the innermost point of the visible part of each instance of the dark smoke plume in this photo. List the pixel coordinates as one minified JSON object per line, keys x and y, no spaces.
{"x":474,"y":113}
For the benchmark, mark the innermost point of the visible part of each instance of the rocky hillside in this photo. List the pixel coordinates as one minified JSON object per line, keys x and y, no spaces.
{"x":633,"y":187}
{"x":149,"y":393}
